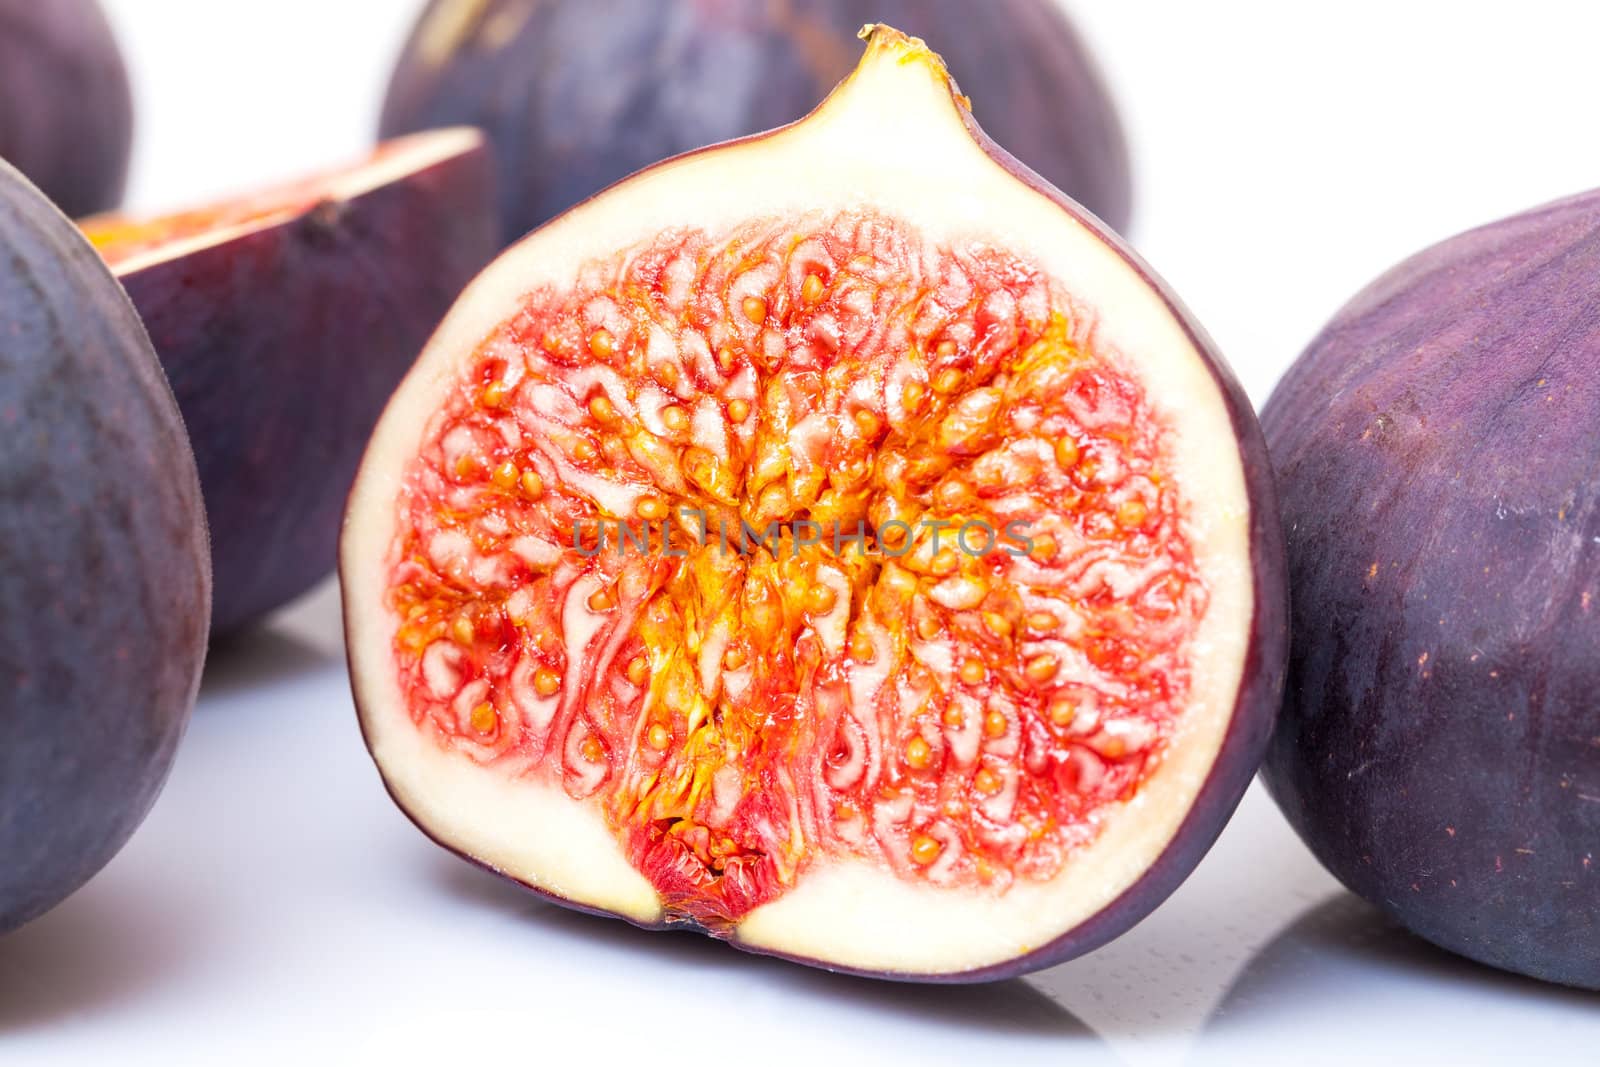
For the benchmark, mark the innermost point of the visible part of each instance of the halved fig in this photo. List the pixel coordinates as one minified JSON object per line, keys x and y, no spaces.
{"x":644,"y":603}
{"x":284,"y":321}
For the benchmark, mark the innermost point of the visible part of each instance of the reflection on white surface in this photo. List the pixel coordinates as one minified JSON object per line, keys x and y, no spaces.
{"x":276,"y":904}
{"x":1366,"y":991}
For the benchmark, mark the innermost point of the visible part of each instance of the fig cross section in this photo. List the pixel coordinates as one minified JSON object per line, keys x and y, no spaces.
{"x":803,"y":538}
{"x":834,"y":541}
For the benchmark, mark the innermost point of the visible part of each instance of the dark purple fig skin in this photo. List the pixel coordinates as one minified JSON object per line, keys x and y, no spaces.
{"x":105,"y":582}
{"x":1438,"y":455}
{"x":577,"y":94}
{"x":1261,"y":682}
{"x":66,"y":112}
{"x":283,"y":346}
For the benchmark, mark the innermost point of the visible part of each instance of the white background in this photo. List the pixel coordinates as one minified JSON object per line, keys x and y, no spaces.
{"x":276,"y":906}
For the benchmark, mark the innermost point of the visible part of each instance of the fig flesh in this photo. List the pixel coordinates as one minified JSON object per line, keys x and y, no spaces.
{"x":1439,"y":468}
{"x":66,"y":110}
{"x":284,"y":321}
{"x":576,"y":94}
{"x":104,"y":576}
{"x":645,"y":603}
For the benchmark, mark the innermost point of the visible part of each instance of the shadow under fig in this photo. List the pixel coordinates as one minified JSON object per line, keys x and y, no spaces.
{"x":1339,"y":947}
{"x":92,"y":954}
{"x":1010,"y":1007}
{"x":260,"y":657}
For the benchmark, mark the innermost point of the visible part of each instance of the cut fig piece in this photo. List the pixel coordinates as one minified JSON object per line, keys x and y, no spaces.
{"x":104,"y":579}
{"x":66,"y":109}
{"x":1439,"y":747}
{"x":576,"y":95}
{"x":284,"y":321}
{"x":643,"y":601}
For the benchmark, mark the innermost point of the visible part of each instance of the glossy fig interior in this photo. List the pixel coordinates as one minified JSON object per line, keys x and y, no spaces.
{"x":863,"y":567}
{"x":933,"y":552}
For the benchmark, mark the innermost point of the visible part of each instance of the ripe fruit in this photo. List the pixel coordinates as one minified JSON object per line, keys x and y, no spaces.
{"x":284,"y":321}
{"x":1440,"y":475}
{"x":66,"y":113}
{"x":104,"y":578}
{"x":751,"y":715}
{"x":577,"y":94}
